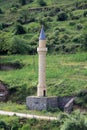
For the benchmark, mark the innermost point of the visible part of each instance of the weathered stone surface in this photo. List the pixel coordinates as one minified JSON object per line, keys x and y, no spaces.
{"x":41,"y":103}
{"x":44,"y":103}
{"x":3,"y":91}
{"x":62,"y":101}
{"x":68,"y":107}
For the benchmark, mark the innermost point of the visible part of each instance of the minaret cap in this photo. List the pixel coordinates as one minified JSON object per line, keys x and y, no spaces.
{"x":42,"y":34}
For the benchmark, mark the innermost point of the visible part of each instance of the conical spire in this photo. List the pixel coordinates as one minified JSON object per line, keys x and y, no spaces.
{"x":42,"y":34}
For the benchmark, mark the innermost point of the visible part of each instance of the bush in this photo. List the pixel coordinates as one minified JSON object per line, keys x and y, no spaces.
{"x":22,"y":2}
{"x":79,"y":26}
{"x":13,"y":10}
{"x":72,"y":23}
{"x":62,"y":16}
{"x":16,"y":5}
{"x":75,"y":17}
{"x":3,"y":125}
{"x":42,"y":3}
{"x":1,"y":12}
{"x":78,"y":39}
{"x":25,"y":17}
{"x":5,"y":44}
{"x":19,"y":29}
{"x":19,"y":46}
{"x":1,"y":26}
{"x":26,"y":127}
{"x":75,"y":122}
{"x":85,"y":14}
{"x":84,"y":45}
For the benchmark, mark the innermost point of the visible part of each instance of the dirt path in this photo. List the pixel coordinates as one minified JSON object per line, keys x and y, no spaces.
{"x":27,"y":115}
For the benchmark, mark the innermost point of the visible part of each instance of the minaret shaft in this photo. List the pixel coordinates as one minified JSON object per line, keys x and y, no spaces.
{"x":41,"y":91}
{"x":41,"y":88}
{"x":42,"y":69}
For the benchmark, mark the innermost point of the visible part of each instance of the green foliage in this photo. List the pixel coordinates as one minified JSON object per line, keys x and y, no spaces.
{"x":5,"y":44}
{"x":79,"y":26}
{"x":3,"y":125}
{"x":72,"y":23}
{"x":1,"y":12}
{"x":19,"y":46}
{"x":19,"y":29}
{"x":23,"y":2}
{"x":84,"y":45}
{"x":25,"y":127}
{"x":62,"y":16}
{"x":41,"y":2}
{"x":85,"y":14}
{"x":75,"y":122}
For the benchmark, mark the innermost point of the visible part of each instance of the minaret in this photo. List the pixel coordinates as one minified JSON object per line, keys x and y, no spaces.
{"x":41,"y":88}
{"x":42,"y":101}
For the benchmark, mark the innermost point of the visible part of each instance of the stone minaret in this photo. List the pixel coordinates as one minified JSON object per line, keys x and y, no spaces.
{"x":41,"y":88}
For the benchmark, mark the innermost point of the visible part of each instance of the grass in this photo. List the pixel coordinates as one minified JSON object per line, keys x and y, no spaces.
{"x":9,"y":106}
{"x":64,"y":73}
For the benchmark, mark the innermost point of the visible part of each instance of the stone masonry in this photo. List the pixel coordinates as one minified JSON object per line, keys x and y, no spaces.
{"x":41,"y":103}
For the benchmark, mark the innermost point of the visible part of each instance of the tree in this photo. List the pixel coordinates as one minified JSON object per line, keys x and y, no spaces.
{"x":19,"y":29}
{"x":42,"y":3}
{"x":62,"y":16}
{"x":24,"y":15}
{"x":23,"y":2}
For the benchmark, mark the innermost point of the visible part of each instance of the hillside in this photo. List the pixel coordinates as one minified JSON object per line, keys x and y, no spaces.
{"x":64,"y":23}
{"x":65,"y":26}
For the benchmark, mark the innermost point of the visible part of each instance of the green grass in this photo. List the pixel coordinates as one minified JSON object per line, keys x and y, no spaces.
{"x":9,"y":106}
{"x":64,"y":73}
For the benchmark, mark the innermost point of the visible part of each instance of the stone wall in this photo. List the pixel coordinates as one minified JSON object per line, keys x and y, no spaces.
{"x":44,"y":103}
{"x":62,"y":101}
{"x":68,"y":107}
{"x":41,"y":103}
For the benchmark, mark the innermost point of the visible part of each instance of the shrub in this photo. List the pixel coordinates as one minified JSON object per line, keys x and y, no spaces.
{"x":79,"y":26}
{"x":85,"y":14}
{"x":19,"y":46}
{"x":19,"y":29}
{"x":72,"y":23}
{"x":75,"y":122}
{"x":78,"y":39}
{"x":16,"y":5}
{"x":13,"y":10}
{"x":3,"y":125}
{"x":24,"y":16}
{"x":22,"y":2}
{"x":84,"y":45}
{"x":75,"y":17}
{"x":26,"y":127}
{"x":43,"y":22}
{"x":42,"y":3}
{"x":5,"y":44}
{"x":62,"y":16}
{"x":1,"y":26}
{"x":1,"y":12}
{"x":56,"y":32}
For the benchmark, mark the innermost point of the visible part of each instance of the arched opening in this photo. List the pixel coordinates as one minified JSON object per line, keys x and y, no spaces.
{"x":44,"y":93}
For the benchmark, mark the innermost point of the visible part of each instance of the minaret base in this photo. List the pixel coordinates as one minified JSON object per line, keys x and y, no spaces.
{"x":41,"y":103}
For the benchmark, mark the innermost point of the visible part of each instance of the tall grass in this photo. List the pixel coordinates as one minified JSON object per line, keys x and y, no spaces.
{"x":63,"y":72}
